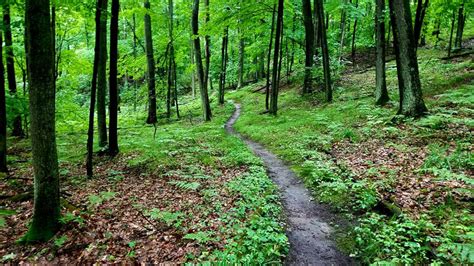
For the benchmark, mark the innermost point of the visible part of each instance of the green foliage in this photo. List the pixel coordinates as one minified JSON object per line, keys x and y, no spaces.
{"x":3,"y":214}
{"x":60,"y":241}
{"x":174,"y":219}
{"x":96,"y":200}
{"x":200,"y":237}
{"x":185,"y":185}
{"x":69,"y":217}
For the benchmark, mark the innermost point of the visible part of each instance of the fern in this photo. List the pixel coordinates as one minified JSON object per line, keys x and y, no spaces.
{"x":185,"y":185}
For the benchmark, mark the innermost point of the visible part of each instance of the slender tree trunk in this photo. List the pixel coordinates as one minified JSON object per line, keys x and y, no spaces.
{"x":309,"y":48}
{"x":207,"y":45}
{"x":381,"y":93}
{"x":325,"y":51}
{"x":411,"y":99}
{"x":270,"y":46}
{"x":343,"y":30}
{"x":3,"y":114}
{"x":113,"y":84}
{"x":90,"y":132}
{"x":419,"y":18}
{"x":193,"y":74}
{"x":150,"y":67}
{"x":274,"y":96}
{"x":451,"y":33}
{"x":460,"y":27}
{"x":317,"y":37}
{"x":17,"y":127}
{"x":240,"y":74}
{"x":225,"y":41}
{"x":354,"y":31}
{"x":207,"y":114}
{"x":102,"y":78}
{"x":46,"y":211}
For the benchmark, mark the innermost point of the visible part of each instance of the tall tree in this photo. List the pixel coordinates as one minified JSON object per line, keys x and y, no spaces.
{"x":113,"y":86}
{"x":240,"y":72}
{"x":150,"y":67}
{"x":381,"y":93}
{"x":17,"y":127}
{"x":206,"y":107}
{"x":46,"y":211}
{"x":267,"y":87}
{"x":3,"y":114}
{"x":324,"y":50}
{"x":90,"y":132}
{"x":354,"y":31}
{"x":411,"y":99}
{"x":207,"y":45}
{"x":460,"y":27}
{"x":419,"y":18}
{"x":224,"y":55}
{"x":102,"y":78}
{"x":309,"y":48}
{"x":275,"y":79}
{"x":172,"y":88}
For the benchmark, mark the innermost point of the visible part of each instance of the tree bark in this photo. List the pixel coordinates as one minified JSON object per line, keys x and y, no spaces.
{"x":267,"y":87}
{"x":451,"y":34}
{"x":46,"y":211}
{"x":150,"y":68}
{"x":381,"y":93}
{"x":354,"y":31}
{"x":224,"y":54}
{"x":309,"y":49}
{"x":240,"y":74}
{"x":411,"y":99}
{"x":460,"y":27}
{"x":207,"y":46}
{"x":113,"y":84}
{"x":343,"y":30}
{"x":206,"y":107}
{"x":102,"y":78}
{"x":3,"y":114}
{"x":90,"y":132}
{"x":274,"y":96}
{"x":17,"y":127}
{"x":325,"y":51}
{"x":419,"y":18}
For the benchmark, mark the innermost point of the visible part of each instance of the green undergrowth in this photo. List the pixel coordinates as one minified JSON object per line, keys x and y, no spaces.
{"x":194,"y":157}
{"x":252,"y":228}
{"x":304,"y":134}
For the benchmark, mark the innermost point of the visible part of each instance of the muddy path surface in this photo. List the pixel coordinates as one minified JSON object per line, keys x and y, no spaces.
{"x":308,"y":228}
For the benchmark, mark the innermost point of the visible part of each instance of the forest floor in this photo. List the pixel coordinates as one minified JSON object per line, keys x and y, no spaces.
{"x":406,"y":184}
{"x":188,"y":192}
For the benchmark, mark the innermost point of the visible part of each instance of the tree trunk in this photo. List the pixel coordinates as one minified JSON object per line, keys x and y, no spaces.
{"x":274,"y":96}
{"x":267,"y":87}
{"x":381,"y":93}
{"x":46,"y":211}
{"x":343,"y":30}
{"x":102,"y":78}
{"x":419,"y":17}
{"x":225,"y":42}
{"x":90,"y":132}
{"x":309,"y":48}
{"x":411,"y":99}
{"x":451,"y":34}
{"x":354,"y":31}
{"x":460,"y":28}
{"x":3,"y":115}
{"x":325,"y":51}
{"x":240,"y":74}
{"x":150,"y":67}
{"x":206,"y":107}
{"x":193,"y":75}
{"x":113,"y":86}
{"x":207,"y":46}
{"x":17,"y":127}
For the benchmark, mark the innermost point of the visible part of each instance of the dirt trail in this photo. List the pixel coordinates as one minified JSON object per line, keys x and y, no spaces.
{"x":308,"y":229}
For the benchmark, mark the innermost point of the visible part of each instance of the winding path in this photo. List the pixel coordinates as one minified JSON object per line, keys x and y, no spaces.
{"x":307,"y":229}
